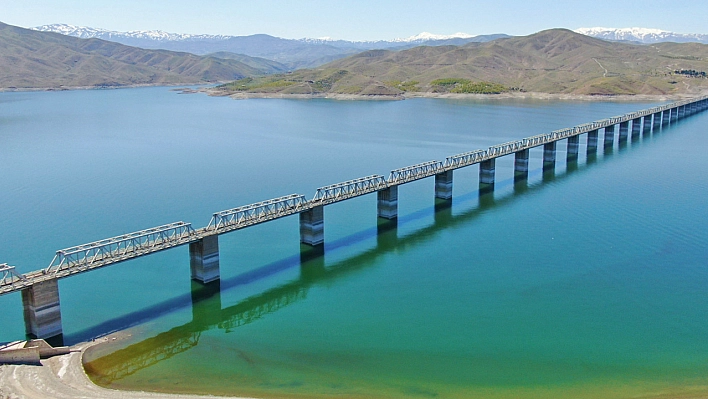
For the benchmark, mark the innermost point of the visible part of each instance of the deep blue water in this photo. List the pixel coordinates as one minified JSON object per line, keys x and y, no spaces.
{"x":589,"y":276}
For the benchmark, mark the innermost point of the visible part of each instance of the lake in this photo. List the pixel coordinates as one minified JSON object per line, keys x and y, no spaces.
{"x":585,"y":282}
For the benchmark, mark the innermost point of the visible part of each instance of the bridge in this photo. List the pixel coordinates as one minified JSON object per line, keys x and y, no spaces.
{"x":40,"y":290}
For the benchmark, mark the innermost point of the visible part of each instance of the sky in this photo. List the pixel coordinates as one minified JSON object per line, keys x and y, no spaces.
{"x":357,"y":20}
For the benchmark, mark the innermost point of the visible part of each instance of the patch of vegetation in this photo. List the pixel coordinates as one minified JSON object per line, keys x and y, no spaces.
{"x":449,"y":82}
{"x":457,"y":85}
{"x":690,"y":72}
{"x":480,"y":88}
{"x":248,"y":84}
{"x":411,"y":85}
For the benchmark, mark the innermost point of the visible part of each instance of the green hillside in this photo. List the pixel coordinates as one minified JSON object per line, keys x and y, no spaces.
{"x":552,"y":61}
{"x":31,"y":59}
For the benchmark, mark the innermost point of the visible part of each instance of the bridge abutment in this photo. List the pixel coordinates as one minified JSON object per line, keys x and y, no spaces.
{"x":42,"y":313}
{"x":443,"y":185}
{"x":204,"y":259}
{"x":549,"y":155}
{"x":486,"y":175}
{"x":312,"y":225}
{"x":521,"y":165}
{"x":387,"y":203}
{"x":609,"y":136}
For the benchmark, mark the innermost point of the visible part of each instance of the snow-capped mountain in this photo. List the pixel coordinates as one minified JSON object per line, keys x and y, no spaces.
{"x":88,"y":33}
{"x":642,"y":35}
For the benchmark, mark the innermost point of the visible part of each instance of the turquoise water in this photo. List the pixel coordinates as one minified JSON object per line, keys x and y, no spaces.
{"x":586,"y":282}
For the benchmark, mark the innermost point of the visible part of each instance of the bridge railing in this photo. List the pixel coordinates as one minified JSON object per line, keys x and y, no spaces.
{"x":348,"y":189}
{"x":112,"y":250}
{"x":259,"y":212}
{"x":415,"y":172}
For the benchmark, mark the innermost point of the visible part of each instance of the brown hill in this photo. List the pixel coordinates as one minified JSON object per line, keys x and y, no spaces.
{"x":31,"y":59}
{"x":551,"y":61}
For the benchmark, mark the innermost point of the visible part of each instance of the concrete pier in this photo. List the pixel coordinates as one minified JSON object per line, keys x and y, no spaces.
{"x":41,"y":309}
{"x":657,"y":119}
{"x":609,"y":136}
{"x":636,"y":126}
{"x":681,"y":111}
{"x":647,"y":124}
{"x":521,"y":165}
{"x":443,"y":185}
{"x":486,"y":175}
{"x":624,"y":131}
{"x":204,"y":259}
{"x":549,"y":156}
{"x":387,"y":202}
{"x":592,"y":141}
{"x":674,"y":114}
{"x":666,"y":117}
{"x":312,"y":226}
{"x":573,"y":147}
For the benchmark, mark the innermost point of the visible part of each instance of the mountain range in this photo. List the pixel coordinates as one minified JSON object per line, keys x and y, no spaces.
{"x":292,"y":53}
{"x":31,"y":59}
{"x":551,"y":61}
{"x":643,"y":35}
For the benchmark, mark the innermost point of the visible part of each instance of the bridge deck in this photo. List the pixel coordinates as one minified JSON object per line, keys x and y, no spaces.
{"x":106,"y":252}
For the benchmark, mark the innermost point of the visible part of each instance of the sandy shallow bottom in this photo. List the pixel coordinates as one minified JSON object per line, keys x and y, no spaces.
{"x":63,"y":377}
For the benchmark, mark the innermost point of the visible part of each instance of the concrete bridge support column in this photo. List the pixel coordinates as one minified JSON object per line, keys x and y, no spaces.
{"x":674,"y":114}
{"x":312,"y":226}
{"x":636,"y":126}
{"x":521,"y":165}
{"x":624,"y":131}
{"x":443,"y":185}
{"x":609,"y":136}
{"x":549,"y":156}
{"x":592,"y":141}
{"x":486,"y":175}
{"x":387,"y":203}
{"x":573,"y":147}
{"x":657,"y":119}
{"x":666,"y":117}
{"x":204,"y":259}
{"x":41,"y":309}
{"x":647,"y":124}
{"x":682,"y":111}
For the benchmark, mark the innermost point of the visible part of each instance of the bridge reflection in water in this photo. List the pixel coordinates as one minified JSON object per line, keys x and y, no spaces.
{"x":207,"y":312}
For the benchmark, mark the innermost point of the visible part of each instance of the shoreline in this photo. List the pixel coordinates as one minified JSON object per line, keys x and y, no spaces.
{"x":209,"y":90}
{"x":64,"y":377}
{"x":459,"y":96}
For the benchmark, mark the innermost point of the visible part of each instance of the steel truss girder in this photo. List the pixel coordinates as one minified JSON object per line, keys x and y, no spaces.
{"x":465,"y":159}
{"x":116,"y":249}
{"x":11,"y":280}
{"x":259,"y":212}
{"x":348,"y":189}
{"x":415,"y":172}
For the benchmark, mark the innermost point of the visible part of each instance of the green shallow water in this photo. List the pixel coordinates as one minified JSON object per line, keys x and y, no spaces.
{"x":586,"y":282}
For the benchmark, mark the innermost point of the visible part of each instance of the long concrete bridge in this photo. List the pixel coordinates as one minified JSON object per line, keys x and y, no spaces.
{"x":40,"y":289}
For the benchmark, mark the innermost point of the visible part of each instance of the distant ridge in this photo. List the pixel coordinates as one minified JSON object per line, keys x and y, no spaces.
{"x":556,"y":61}
{"x":643,"y":35}
{"x":293,"y":53}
